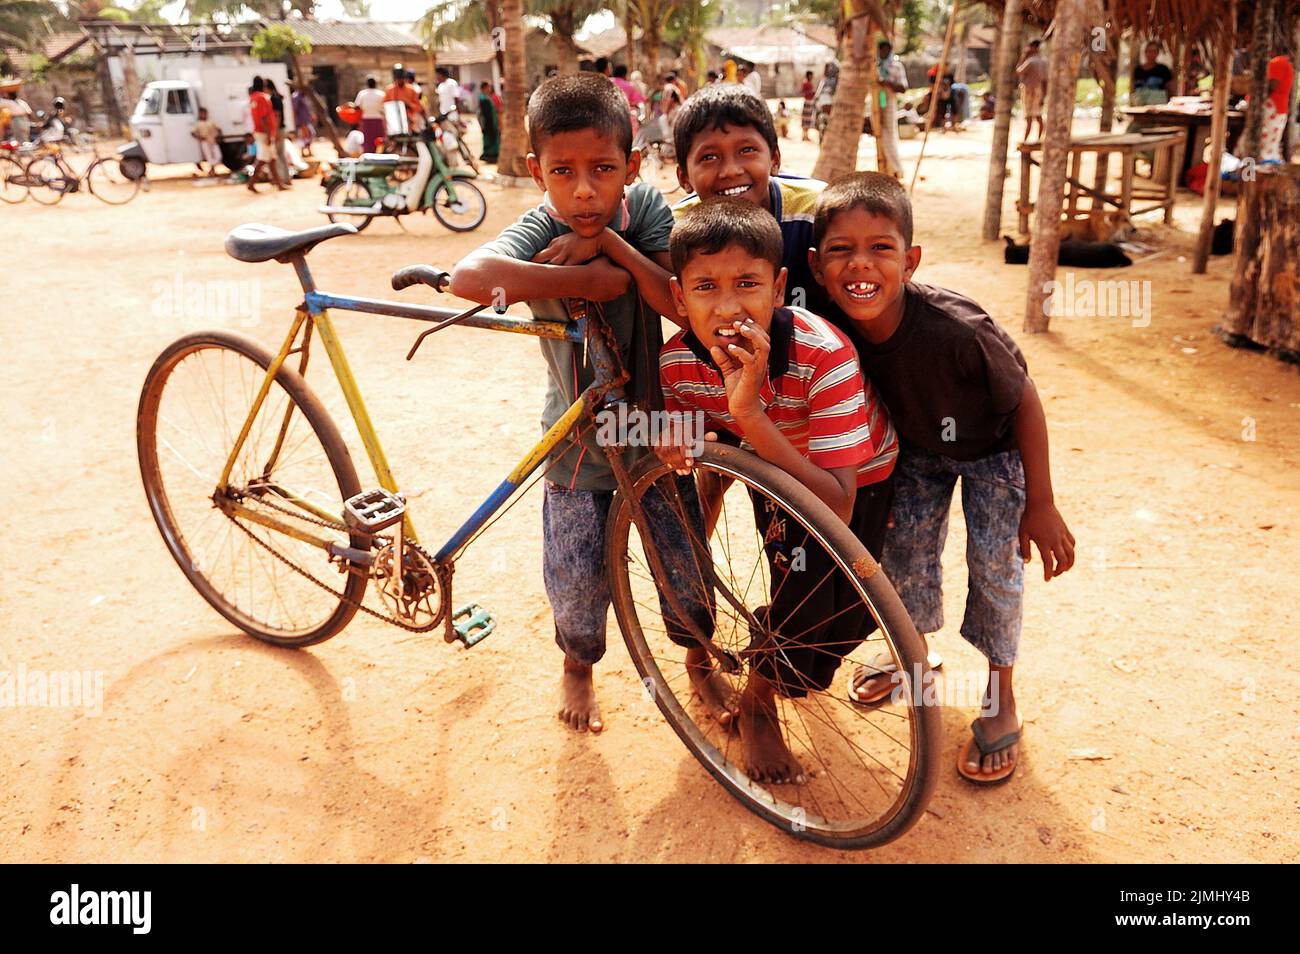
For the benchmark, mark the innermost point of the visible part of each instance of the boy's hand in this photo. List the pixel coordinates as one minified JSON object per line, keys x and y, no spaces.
{"x":570,"y":249}
{"x":603,"y":280}
{"x":1042,"y":524}
{"x":674,"y":455}
{"x":744,"y":370}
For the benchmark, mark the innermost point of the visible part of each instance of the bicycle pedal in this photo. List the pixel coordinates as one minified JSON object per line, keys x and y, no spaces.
{"x":473,"y":624}
{"x":373,"y":510}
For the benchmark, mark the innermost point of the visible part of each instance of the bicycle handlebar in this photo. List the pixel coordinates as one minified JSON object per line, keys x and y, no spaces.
{"x":421,"y":275}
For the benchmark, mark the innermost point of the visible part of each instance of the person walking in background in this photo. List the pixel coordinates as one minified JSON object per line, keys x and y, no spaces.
{"x":809,"y":93}
{"x":399,"y":91}
{"x":277,"y":139}
{"x":749,"y":77}
{"x":304,"y":127}
{"x":488,"y":122}
{"x":635,"y":98}
{"x":371,"y":102}
{"x":448,"y":94}
{"x":262,"y":114}
{"x":1033,"y":86}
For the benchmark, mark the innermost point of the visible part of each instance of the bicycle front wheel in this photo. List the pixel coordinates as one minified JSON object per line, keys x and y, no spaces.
{"x":108,"y":183}
{"x":293,"y":467}
{"x":13,"y":182}
{"x":781,"y":585}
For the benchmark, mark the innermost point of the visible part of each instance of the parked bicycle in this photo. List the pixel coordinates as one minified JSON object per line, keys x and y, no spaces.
{"x":50,"y":177}
{"x":259,"y":502}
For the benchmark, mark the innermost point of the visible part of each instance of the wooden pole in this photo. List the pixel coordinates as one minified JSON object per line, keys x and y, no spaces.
{"x":934,"y":92}
{"x":1013,"y":25}
{"x":1062,"y":84}
{"x":1180,"y":67}
{"x":1218,"y":136}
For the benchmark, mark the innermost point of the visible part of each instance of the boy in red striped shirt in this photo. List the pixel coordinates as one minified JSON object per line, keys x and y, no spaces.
{"x":787,"y":385}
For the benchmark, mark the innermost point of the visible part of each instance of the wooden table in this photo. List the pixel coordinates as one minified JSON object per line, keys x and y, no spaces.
{"x":1164,"y":145}
{"x":1196,"y":124}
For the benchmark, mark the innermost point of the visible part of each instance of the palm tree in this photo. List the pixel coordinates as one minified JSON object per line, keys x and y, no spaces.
{"x":566,"y":18}
{"x":858,"y":84}
{"x":686,"y":28}
{"x":652,"y":17}
{"x":514,"y":138}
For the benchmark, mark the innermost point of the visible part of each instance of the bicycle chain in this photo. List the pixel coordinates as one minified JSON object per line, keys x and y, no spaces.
{"x":335,"y":525}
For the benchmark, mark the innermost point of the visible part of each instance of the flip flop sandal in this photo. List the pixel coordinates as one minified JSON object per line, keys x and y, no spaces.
{"x":988,"y":747}
{"x":883,"y":664}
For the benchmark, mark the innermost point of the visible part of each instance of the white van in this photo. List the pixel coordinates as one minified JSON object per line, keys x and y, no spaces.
{"x":169,"y":108}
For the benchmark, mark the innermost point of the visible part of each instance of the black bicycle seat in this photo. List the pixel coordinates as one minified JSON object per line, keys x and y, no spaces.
{"x":255,"y":242}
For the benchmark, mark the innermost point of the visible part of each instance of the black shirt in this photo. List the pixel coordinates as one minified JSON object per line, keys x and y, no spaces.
{"x":1159,"y":72}
{"x":949,"y":375}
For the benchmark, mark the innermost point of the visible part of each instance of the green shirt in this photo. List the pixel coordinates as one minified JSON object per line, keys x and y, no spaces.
{"x":644,"y":221}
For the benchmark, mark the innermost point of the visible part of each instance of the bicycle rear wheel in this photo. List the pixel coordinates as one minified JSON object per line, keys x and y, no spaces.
{"x":13,"y":182}
{"x":47,"y":180}
{"x":871,"y":772}
{"x":108,"y":183}
{"x":196,"y":398}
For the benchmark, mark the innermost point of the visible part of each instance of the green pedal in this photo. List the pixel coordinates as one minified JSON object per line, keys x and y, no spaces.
{"x":473,"y":624}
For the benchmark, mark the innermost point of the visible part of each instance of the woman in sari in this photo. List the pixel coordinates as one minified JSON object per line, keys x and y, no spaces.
{"x":488,"y":122}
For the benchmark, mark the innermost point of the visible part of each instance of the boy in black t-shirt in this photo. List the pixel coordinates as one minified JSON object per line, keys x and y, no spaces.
{"x":964,"y":406}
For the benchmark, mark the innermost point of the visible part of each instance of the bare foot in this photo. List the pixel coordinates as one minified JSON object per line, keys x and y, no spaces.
{"x":767,"y":759}
{"x":713,"y":688}
{"x":578,"y":709}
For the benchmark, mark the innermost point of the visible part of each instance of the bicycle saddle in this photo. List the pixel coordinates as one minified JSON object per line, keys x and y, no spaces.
{"x":255,"y":242}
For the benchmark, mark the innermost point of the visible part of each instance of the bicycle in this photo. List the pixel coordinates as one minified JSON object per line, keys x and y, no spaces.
{"x":50,"y":178}
{"x":257,"y":499}
{"x":13,"y":180}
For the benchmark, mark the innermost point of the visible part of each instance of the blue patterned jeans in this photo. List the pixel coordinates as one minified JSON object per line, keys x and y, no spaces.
{"x":993,"y":501}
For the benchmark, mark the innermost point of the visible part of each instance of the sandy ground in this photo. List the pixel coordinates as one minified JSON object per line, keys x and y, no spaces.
{"x":1163,"y":655}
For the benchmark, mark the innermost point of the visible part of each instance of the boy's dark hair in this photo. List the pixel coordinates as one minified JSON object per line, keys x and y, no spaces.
{"x":620,"y":71}
{"x":578,"y":101}
{"x":711,"y":226}
{"x":876,"y":192}
{"x":713,"y":107}
{"x":370,"y":82}
{"x":259,"y":85}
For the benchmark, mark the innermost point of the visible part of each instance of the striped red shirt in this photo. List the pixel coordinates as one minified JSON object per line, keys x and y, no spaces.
{"x":815,"y":394}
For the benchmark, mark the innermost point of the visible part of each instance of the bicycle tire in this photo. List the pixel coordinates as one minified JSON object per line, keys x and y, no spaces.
{"x":162,"y":505}
{"x":108,"y":171}
{"x":896,"y":629}
{"x":13,"y":181}
{"x":46,"y":180}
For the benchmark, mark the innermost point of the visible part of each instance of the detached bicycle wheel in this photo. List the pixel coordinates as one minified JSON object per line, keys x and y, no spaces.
{"x":466,"y":212}
{"x":13,"y":182}
{"x":108,"y":183}
{"x":869,"y":772}
{"x":47,"y":181}
{"x":292,"y":467}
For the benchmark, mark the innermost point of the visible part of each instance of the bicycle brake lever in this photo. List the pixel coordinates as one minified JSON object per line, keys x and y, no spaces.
{"x":439,"y":326}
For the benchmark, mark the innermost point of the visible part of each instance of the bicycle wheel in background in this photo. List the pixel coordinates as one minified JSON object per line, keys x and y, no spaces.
{"x":13,"y":181}
{"x":466,"y":213}
{"x":196,"y":398}
{"x":47,"y":180}
{"x":870,"y":772}
{"x":108,"y":183}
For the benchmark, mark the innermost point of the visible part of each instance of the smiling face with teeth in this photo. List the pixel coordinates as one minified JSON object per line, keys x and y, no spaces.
{"x":731,"y":161}
{"x":863,"y":261}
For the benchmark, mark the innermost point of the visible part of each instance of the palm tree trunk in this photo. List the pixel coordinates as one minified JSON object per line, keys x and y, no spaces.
{"x":1003,"y":93}
{"x":1261,"y":34}
{"x":839,"y":149}
{"x":566,"y":50}
{"x":514,"y":138}
{"x":627,"y":29}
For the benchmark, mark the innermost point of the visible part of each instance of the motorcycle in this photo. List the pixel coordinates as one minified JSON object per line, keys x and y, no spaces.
{"x":390,"y":184}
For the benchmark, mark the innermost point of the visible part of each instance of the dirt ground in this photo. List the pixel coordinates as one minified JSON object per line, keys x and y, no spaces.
{"x":1160,"y":704}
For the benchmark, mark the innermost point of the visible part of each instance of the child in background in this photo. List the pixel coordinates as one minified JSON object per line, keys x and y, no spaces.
{"x":960,"y":396}
{"x":208,"y":135}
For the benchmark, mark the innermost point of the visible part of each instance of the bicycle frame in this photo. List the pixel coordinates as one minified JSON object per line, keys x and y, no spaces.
{"x":314,"y":313}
